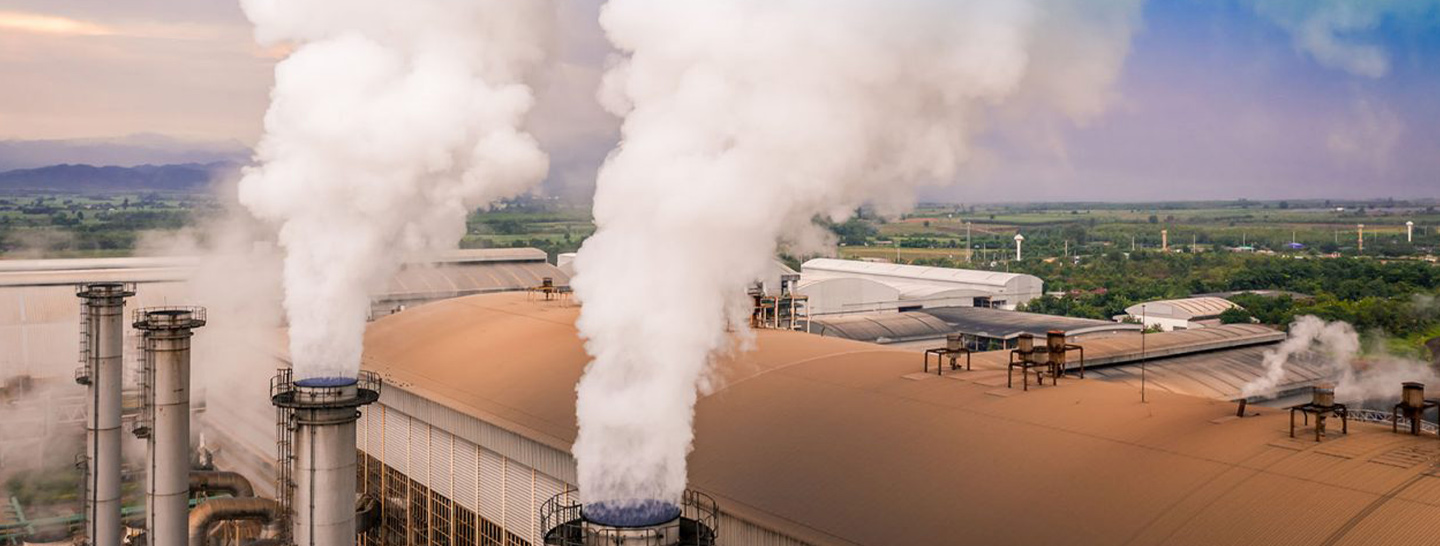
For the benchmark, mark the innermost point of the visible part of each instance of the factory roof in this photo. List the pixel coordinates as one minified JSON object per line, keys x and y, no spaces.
{"x":832,"y":441}
{"x":1186,"y":308}
{"x":935,"y":322}
{"x":939,"y":274}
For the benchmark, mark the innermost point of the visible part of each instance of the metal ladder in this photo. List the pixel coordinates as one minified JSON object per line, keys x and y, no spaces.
{"x":82,"y":373}
{"x":285,"y":473}
{"x":145,"y":421}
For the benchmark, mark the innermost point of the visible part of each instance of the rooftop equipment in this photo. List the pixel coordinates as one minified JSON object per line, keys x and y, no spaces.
{"x":102,"y":335}
{"x":1322,"y":405}
{"x":164,"y":420}
{"x":567,"y":522}
{"x":316,"y":444}
{"x":786,"y":311}
{"x":1028,"y":357}
{"x":954,"y":347}
{"x":1412,"y":407}
{"x":1059,"y":350}
{"x":549,"y":290}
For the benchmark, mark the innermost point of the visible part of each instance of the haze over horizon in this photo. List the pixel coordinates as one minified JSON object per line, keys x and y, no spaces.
{"x":1259,"y":99}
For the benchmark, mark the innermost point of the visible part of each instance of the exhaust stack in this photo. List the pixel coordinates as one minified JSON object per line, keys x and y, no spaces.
{"x":1412,"y":407}
{"x":102,"y":336}
{"x":317,"y":453}
{"x":568,"y":522}
{"x":165,"y":419}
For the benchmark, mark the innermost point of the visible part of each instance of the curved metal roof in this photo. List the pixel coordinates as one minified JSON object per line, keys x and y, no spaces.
{"x":838,"y":442}
{"x":1186,"y":308}
{"x":945,"y":274}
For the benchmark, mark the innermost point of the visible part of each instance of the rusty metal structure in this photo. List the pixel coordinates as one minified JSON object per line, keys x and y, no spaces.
{"x":1322,"y":405}
{"x":548,"y":290}
{"x":1412,"y":407}
{"x":1026,"y":357}
{"x":954,"y":347}
{"x":1051,"y":359}
{"x":568,"y":522}
{"x":787,"y":310}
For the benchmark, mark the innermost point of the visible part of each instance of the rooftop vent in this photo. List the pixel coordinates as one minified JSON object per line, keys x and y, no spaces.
{"x":694,"y":522}
{"x":1322,"y":405}
{"x":1412,"y":407}
{"x":1050,"y":359}
{"x":954,"y":347}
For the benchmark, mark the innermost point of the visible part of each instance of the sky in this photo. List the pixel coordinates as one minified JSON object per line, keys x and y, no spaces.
{"x":1217,"y":99}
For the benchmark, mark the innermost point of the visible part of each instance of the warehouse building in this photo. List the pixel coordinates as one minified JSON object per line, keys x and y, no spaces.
{"x":815,"y":440}
{"x":984,"y":328}
{"x":1180,"y":314}
{"x":849,"y":286}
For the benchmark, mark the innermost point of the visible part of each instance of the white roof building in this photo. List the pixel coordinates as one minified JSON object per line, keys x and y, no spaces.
{"x":849,"y":286}
{"x":1181,"y":314}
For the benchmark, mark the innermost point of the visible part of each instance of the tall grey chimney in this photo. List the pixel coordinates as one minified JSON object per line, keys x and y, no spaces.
{"x":317,"y":482}
{"x":165,"y":419}
{"x":102,"y":341}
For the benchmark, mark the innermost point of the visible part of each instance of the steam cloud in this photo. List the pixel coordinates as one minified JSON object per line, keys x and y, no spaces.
{"x":745,"y":119}
{"x":388,"y":123}
{"x":1337,"y":345}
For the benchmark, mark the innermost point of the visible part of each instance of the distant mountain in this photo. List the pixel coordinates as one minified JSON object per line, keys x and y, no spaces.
{"x":89,"y":178}
{"x":126,"y":151}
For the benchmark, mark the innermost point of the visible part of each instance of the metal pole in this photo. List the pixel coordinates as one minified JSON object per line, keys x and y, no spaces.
{"x":1144,"y":327}
{"x":969,"y":246}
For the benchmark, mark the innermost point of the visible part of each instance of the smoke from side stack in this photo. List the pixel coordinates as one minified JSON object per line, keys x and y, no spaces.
{"x":102,"y":345}
{"x":389,"y":123}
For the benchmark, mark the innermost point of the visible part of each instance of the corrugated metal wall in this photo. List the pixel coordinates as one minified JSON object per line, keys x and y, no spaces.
{"x":498,"y":475}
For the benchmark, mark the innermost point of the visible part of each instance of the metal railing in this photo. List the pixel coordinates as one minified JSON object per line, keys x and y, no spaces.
{"x":1385,"y":417}
{"x":563,"y":521}
{"x":283,"y":391}
{"x":140,"y":318}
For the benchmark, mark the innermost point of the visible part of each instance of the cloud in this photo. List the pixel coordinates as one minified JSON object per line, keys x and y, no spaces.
{"x":1333,"y":31}
{"x":38,"y":23}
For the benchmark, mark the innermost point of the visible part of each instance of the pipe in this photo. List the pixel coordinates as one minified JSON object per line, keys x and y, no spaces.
{"x":165,"y":422}
{"x":214,"y":511}
{"x":233,"y":483}
{"x":103,"y":338}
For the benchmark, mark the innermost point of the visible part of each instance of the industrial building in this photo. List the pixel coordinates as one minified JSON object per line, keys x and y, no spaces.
{"x":805,"y":440}
{"x":37,"y":297}
{"x":815,"y":440}
{"x":983,"y":328}
{"x":1180,"y":314}
{"x":848,"y":286}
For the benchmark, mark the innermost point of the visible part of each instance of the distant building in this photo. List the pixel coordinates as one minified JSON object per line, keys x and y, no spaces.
{"x":984,"y":329}
{"x":849,"y":286}
{"x":1181,"y":314}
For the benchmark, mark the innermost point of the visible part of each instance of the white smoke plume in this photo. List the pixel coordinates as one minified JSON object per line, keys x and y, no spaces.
{"x":745,"y":119}
{"x":388,"y":123}
{"x":1337,"y":346}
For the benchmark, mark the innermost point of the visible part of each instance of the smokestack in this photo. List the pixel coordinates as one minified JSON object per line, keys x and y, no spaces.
{"x":693,"y":522}
{"x":1019,"y":239}
{"x":316,"y":485}
{"x":165,"y":419}
{"x":1360,"y":236}
{"x":102,"y":336}
{"x":1409,"y":232}
{"x":1165,"y":240}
